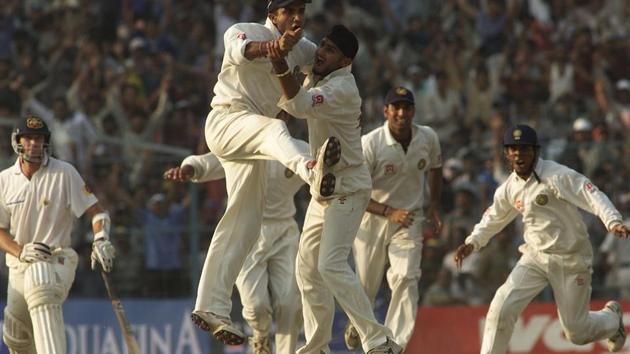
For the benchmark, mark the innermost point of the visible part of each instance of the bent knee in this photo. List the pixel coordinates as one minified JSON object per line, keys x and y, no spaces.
{"x":577,"y":335}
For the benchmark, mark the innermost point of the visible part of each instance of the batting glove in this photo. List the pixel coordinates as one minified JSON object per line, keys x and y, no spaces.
{"x":35,"y":252}
{"x":103,"y":252}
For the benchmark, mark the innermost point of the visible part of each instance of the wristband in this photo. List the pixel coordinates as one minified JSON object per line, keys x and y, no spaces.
{"x":284,"y":73}
{"x":385,"y":210}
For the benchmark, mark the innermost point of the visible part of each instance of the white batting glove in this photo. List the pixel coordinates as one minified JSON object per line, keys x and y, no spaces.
{"x":103,"y":252}
{"x":35,"y":252}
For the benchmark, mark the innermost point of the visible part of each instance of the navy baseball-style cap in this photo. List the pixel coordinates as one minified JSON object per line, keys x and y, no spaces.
{"x":273,"y":5}
{"x":399,"y":94}
{"x":31,"y":125}
{"x":520,"y":134}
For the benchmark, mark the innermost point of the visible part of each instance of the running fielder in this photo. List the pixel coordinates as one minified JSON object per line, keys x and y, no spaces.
{"x":39,"y":198}
{"x":399,"y":155}
{"x":556,"y":251}
{"x":241,"y":133}
{"x":266,"y":283}
{"x":331,"y":104}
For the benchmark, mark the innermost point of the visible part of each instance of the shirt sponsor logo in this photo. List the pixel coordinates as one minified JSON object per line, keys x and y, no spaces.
{"x":288,"y":173}
{"x":318,"y":99}
{"x":422,"y":164}
{"x":542,"y":199}
{"x":241,"y":36}
{"x":45,"y":202}
{"x":389,"y":169}
{"x":590,"y":187}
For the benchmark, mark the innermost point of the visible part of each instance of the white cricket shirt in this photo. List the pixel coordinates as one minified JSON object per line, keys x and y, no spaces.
{"x":251,"y":84}
{"x":398,"y":178}
{"x":332,"y":107}
{"x":551,"y":220}
{"x":282,"y":183}
{"x":44,"y":208}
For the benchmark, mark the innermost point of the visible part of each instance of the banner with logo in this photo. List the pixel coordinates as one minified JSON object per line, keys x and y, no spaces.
{"x":458,"y":330}
{"x":164,"y":327}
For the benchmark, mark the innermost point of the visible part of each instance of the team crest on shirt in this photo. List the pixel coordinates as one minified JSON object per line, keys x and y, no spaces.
{"x":318,"y":99}
{"x":45,"y":202}
{"x":288,"y":173}
{"x":542,"y":199}
{"x":34,"y":123}
{"x":389,"y":169}
{"x":87,"y":189}
{"x":422,"y":164}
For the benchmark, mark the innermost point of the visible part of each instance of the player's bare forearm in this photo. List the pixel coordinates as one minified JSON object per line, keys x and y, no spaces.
{"x":288,"y":83}
{"x":399,"y":216}
{"x":255,"y":50}
{"x":8,"y":245}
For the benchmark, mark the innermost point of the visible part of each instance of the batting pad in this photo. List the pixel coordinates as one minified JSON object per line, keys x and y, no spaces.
{"x":44,"y":295}
{"x":16,"y":335}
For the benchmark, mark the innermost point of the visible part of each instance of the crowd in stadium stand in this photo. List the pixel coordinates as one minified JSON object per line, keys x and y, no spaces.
{"x":113,"y":77}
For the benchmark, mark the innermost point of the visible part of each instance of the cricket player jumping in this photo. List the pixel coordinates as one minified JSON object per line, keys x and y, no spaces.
{"x":240,"y":131}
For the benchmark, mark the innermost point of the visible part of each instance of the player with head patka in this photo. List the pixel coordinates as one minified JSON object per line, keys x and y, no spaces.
{"x":557,"y":250}
{"x":329,"y":100}
{"x":39,"y":198}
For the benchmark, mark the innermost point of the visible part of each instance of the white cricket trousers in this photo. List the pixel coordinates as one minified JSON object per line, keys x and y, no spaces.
{"x":242,"y":141}
{"x":39,"y":324}
{"x":267,"y":284}
{"x":324,"y":275}
{"x":378,"y":243}
{"x":570,"y":279}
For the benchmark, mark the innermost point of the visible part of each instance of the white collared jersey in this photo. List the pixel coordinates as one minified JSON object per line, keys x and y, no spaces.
{"x":552,"y":222}
{"x":398,"y":178}
{"x":332,"y":107}
{"x":251,"y":84}
{"x":282,"y":183}
{"x":44,"y":208}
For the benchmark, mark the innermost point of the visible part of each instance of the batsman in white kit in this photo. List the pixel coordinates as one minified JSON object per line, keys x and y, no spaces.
{"x":557,"y":250}
{"x":399,"y":155}
{"x":266,"y":283}
{"x":330,"y":102}
{"x":39,"y":198}
{"x":240,"y":131}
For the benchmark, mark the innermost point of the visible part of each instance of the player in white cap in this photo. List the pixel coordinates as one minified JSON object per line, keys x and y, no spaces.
{"x":39,"y":198}
{"x":266,"y":283}
{"x":241,"y":131}
{"x":400,"y":155}
{"x":330,"y":102}
{"x":557,"y":250}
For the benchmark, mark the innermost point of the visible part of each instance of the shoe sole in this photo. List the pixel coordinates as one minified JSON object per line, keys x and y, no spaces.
{"x":221,"y":333}
{"x":332,"y":153}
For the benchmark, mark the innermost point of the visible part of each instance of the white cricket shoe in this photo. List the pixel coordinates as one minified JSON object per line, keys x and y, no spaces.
{"x":389,"y":347}
{"x":618,"y":340}
{"x":351,"y":337}
{"x":220,"y":326}
{"x":321,"y":179}
{"x":260,"y":345}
